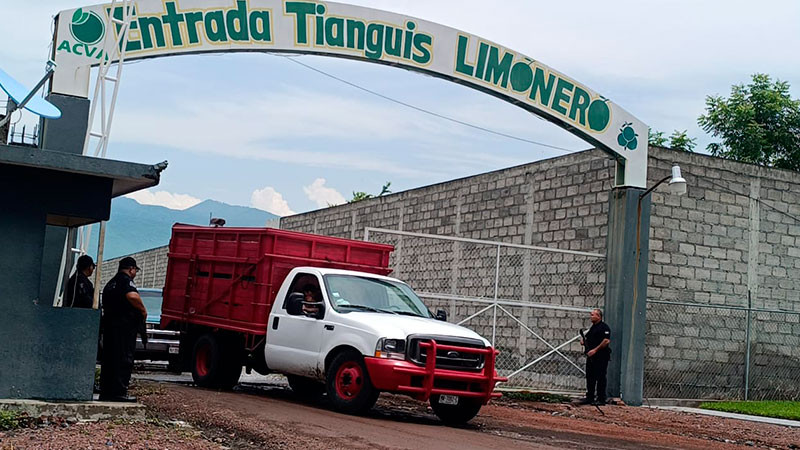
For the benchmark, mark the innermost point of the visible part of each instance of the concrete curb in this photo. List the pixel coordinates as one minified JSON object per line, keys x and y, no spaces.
{"x":682,"y":402}
{"x":82,"y":411}
{"x":761,"y":419}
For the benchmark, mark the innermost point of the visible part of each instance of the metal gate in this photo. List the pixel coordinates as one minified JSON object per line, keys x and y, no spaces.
{"x":530,"y":302}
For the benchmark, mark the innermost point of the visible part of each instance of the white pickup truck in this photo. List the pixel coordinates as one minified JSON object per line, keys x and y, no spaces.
{"x":372,"y":333}
{"x":350,"y":334}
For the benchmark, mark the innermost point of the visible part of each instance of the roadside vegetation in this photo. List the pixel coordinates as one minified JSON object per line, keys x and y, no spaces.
{"x":780,"y":410}
{"x":536,"y":397}
{"x":11,"y":420}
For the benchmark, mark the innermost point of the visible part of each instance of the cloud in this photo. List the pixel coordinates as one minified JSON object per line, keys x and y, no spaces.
{"x":165,"y":199}
{"x":270,"y":200}
{"x":274,"y":118}
{"x":322,"y":195}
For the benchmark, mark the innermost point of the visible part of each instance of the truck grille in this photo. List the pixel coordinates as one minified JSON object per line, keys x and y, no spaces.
{"x":447,"y":359}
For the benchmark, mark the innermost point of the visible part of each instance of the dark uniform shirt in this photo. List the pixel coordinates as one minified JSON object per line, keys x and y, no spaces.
{"x":79,"y":292}
{"x":595,"y":336}
{"x":116,"y":308}
{"x":120,"y":323}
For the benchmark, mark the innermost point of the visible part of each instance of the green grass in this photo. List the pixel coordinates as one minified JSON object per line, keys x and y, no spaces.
{"x":780,"y":410}
{"x":536,"y":397}
{"x":10,"y":420}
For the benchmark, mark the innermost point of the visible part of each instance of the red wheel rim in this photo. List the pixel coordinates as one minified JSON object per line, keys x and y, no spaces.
{"x":201,"y":360}
{"x":349,"y":380}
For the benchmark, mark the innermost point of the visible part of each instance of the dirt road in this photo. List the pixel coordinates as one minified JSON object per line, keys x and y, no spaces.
{"x":264,"y":416}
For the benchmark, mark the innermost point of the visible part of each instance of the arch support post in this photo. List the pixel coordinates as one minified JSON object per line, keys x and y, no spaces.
{"x":626,"y":291}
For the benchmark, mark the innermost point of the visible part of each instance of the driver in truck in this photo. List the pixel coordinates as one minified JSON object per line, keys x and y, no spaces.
{"x":312,"y":295}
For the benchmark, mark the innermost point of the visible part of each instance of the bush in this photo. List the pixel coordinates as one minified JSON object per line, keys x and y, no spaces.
{"x":10,"y":420}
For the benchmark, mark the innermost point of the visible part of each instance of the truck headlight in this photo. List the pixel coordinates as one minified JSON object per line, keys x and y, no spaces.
{"x":391,"y":348}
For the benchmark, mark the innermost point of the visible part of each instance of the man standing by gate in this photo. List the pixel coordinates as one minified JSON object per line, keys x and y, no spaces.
{"x":595,"y":344}
{"x":123,"y":310}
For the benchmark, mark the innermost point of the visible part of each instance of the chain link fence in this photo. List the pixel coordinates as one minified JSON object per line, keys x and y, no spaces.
{"x":530,"y":302}
{"x":718,"y":352}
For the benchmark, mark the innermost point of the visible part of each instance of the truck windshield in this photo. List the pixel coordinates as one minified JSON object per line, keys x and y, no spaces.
{"x":348,"y":292}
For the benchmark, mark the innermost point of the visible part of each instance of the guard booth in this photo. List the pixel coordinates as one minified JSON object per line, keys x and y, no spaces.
{"x":46,"y":352}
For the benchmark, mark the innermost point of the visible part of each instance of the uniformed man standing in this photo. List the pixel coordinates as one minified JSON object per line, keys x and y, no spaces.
{"x":79,"y":292}
{"x":598,"y":353}
{"x":123,"y":310}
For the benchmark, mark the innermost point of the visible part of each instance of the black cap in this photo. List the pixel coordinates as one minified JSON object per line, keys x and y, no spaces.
{"x":127,"y":262}
{"x":84,"y":262}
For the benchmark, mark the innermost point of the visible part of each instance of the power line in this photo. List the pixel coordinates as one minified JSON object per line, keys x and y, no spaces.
{"x":423,"y":110}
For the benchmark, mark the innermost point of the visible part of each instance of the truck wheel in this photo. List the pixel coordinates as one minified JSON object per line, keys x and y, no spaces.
{"x":206,"y":361}
{"x":214,"y":364}
{"x":306,"y":388}
{"x":459,"y":414}
{"x":348,"y":384}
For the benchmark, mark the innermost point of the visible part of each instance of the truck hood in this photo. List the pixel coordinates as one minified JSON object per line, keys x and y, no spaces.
{"x":400,"y":327}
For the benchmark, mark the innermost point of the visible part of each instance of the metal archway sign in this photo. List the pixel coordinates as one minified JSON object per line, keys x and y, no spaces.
{"x":168,"y":27}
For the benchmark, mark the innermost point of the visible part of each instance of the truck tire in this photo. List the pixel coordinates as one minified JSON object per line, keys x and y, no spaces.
{"x":306,"y":388}
{"x":213,"y":364}
{"x":232,"y":361}
{"x":462,"y":413}
{"x":349,"y":387}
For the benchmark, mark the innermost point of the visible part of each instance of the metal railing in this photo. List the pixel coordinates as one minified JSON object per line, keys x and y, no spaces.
{"x":528,"y":301}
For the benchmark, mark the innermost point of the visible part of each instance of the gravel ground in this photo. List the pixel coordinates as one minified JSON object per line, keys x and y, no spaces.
{"x":270,"y":416}
{"x":107,"y":435}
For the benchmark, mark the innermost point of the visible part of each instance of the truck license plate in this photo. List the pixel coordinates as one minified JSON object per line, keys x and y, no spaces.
{"x":448,"y":400}
{"x":173,"y":350}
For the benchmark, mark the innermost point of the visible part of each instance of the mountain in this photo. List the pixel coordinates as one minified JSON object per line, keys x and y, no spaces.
{"x":134,"y":227}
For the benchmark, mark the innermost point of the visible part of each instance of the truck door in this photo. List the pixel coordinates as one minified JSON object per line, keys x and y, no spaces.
{"x":293,"y":341}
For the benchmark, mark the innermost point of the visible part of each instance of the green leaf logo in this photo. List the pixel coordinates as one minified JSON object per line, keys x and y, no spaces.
{"x":87,"y":27}
{"x":627,"y":136}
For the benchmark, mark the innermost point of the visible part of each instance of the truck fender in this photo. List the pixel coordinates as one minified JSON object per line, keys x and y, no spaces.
{"x":348,"y":340}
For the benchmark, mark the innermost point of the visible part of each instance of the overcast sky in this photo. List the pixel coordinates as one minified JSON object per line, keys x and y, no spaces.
{"x":259,"y":130}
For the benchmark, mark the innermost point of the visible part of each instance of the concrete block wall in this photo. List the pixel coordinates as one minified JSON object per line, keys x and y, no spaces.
{"x":732,"y":240}
{"x":153,"y":263}
{"x":559,"y":203}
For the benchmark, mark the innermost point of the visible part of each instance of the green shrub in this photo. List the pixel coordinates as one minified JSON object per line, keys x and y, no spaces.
{"x":10,"y":420}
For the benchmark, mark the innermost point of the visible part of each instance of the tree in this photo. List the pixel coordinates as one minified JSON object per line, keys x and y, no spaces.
{"x":679,"y":140}
{"x":358,"y":196}
{"x":657,"y":138}
{"x":759,"y":123}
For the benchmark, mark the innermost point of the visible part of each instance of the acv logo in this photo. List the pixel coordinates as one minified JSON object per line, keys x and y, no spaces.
{"x":627,"y":136}
{"x":87,"y":27}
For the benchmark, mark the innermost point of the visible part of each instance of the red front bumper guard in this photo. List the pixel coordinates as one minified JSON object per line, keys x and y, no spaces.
{"x":486,"y":377}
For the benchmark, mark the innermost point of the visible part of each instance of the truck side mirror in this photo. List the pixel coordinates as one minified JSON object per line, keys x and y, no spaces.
{"x":294,"y":304}
{"x":441,"y":315}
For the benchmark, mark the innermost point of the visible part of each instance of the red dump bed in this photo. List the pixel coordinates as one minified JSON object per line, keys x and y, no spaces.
{"x":228,"y":277}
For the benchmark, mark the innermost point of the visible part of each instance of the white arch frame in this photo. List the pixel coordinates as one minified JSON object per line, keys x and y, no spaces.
{"x":171,"y":27}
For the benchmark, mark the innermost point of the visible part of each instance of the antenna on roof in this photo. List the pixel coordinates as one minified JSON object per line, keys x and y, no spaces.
{"x":20,"y":97}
